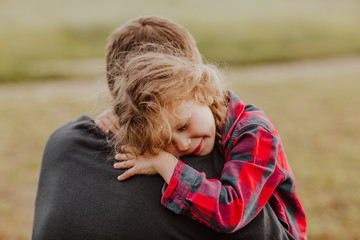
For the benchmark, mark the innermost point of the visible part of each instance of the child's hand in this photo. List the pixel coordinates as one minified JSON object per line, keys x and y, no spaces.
{"x":162,"y":163}
{"x":106,"y":121}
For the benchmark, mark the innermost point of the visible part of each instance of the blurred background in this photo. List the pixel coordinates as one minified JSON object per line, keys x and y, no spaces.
{"x":297,"y":60}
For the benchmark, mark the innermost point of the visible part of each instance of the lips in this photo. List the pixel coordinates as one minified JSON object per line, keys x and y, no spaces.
{"x":197,"y":149}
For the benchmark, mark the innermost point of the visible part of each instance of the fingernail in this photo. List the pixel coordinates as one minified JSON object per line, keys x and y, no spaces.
{"x":119,"y":178}
{"x":107,"y":130}
{"x":117,"y":156}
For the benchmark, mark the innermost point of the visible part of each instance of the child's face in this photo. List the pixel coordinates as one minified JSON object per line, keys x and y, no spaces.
{"x":193,"y":129}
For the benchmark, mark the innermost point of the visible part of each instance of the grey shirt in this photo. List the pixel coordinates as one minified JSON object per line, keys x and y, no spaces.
{"x":79,"y":196}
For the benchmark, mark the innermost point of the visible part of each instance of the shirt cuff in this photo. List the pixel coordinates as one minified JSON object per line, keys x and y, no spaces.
{"x":168,"y":189}
{"x":176,"y":192}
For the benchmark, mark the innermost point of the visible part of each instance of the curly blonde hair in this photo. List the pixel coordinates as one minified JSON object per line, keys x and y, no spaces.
{"x":146,"y":30}
{"x":151,"y":85}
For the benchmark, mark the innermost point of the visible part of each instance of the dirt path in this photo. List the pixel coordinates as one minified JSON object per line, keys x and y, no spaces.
{"x":302,"y":70}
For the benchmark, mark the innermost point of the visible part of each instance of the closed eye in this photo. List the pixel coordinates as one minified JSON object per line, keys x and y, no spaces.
{"x":184,"y":127}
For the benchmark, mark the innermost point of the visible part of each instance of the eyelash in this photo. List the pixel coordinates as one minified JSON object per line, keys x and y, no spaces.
{"x":183,"y":128}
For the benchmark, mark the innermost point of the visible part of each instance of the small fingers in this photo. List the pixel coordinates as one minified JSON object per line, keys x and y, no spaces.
{"x":126,"y":153}
{"x":100,"y":124}
{"x":126,"y":149}
{"x":110,"y":125}
{"x":127,"y":174}
{"x":124,"y":156}
{"x":113,"y":117}
{"x":124,"y":164}
{"x":107,"y":121}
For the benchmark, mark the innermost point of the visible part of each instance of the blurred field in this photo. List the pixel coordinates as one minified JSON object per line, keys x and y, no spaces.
{"x":237,"y":32}
{"x":51,"y":68}
{"x":313,"y":104}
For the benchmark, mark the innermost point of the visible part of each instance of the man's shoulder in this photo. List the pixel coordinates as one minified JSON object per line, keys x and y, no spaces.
{"x":83,"y":124}
{"x":81,"y":128}
{"x":80,"y":135}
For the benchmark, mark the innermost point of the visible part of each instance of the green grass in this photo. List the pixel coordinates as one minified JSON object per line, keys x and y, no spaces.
{"x":235,"y":32}
{"x":317,"y":118}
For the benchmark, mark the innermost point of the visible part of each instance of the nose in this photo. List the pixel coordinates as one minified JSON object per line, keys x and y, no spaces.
{"x":182,"y":143}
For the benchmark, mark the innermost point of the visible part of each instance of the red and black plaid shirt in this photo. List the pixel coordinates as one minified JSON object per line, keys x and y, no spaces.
{"x":256,"y":171}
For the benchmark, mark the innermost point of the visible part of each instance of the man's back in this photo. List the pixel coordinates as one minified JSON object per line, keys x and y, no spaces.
{"x":79,"y":196}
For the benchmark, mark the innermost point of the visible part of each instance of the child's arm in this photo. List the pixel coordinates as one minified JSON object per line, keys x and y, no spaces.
{"x":247,"y":181}
{"x":107,"y":121}
{"x":249,"y":178}
{"x":254,"y":168}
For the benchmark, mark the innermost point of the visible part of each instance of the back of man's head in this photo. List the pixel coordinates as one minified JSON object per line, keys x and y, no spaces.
{"x":147,"y":30}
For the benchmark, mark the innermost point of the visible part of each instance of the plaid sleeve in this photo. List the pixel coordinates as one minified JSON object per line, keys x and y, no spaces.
{"x":249,"y":178}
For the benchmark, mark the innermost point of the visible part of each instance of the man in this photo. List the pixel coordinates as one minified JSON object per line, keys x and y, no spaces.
{"x":79,"y":196}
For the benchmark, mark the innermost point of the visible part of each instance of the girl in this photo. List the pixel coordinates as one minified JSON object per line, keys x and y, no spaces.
{"x":168,"y":107}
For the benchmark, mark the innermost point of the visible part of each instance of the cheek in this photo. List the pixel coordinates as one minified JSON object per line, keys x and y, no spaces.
{"x":208,"y":129}
{"x":213,"y":132}
{"x":207,"y":124}
{"x":170,"y":149}
{"x":211,"y":125}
